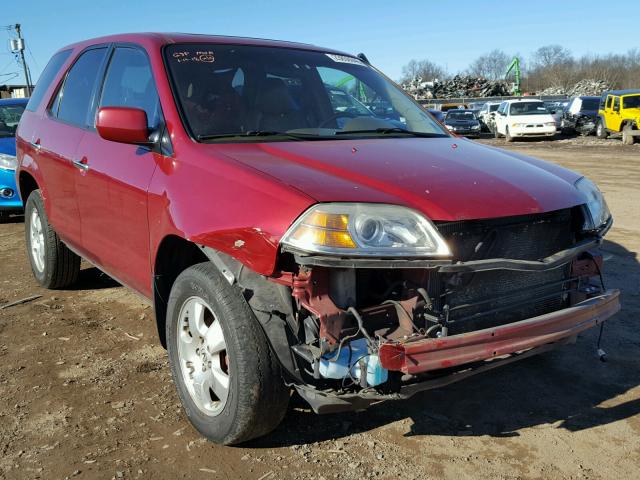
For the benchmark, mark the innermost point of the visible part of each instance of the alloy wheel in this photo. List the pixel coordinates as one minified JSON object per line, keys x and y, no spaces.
{"x":36,"y":240}
{"x":202,"y":353}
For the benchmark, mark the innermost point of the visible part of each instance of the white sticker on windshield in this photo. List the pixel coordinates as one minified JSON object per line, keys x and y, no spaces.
{"x":343,"y":59}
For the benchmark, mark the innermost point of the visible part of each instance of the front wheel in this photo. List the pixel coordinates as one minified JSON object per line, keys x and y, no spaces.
{"x":601,"y":131}
{"x":228,"y":379}
{"x":507,"y":135}
{"x":52,"y":263}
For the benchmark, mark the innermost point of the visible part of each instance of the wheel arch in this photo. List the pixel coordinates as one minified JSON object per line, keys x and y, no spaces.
{"x":26,"y":184}
{"x":270,"y":302}
{"x":173,"y":256}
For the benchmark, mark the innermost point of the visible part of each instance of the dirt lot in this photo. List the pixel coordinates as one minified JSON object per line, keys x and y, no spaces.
{"x":85,"y":388}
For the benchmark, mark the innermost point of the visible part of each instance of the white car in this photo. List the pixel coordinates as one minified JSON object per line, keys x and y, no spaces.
{"x":523,"y":118}
{"x":487,"y":112}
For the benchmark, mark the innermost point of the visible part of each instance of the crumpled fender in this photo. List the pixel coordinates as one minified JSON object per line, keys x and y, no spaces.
{"x":223,"y":205}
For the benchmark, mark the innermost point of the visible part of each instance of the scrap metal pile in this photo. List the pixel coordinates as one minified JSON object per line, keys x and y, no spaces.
{"x":582,"y":88}
{"x":457,"y":87}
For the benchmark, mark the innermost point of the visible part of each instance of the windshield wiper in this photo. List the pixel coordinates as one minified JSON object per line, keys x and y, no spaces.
{"x":260,"y":133}
{"x":392,"y":130}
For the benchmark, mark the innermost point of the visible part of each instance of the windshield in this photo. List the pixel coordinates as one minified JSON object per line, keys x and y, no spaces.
{"x":631,"y":102}
{"x":464,"y":115}
{"x":245,"y":91}
{"x":9,"y":118}
{"x":528,"y":108}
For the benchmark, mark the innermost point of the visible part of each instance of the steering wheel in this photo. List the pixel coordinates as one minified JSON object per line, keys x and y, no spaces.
{"x":336,"y":116}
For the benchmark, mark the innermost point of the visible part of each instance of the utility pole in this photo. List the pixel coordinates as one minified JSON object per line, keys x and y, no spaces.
{"x":27,"y":75}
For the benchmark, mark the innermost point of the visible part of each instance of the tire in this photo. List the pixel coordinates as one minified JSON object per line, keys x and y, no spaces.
{"x":601,"y":131}
{"x":255,"y":399}
{"x":52,"y":263}
{"x":507,"y":137}
{"x":627,"y":137}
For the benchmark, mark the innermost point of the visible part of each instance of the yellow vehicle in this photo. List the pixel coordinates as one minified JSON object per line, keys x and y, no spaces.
{"x":619,"y":112}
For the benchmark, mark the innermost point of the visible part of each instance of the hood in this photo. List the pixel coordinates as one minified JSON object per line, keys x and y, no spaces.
{"x":445,"y":178}
{"x":8,"y":145}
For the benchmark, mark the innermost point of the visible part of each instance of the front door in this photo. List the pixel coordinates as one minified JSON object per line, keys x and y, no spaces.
{"x":112,"y":189}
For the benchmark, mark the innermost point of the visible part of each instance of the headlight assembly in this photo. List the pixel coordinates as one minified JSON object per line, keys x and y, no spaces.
{"x":8,"y":162}
{"x":598,"y":211}
{"x":365,"y":230}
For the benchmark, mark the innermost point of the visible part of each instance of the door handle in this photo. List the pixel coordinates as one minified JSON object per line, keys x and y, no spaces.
{"x":36,"y":145}
{"x":81,"y":164}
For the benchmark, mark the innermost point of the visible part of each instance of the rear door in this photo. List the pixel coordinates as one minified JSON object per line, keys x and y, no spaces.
{"x":57,"y":139}
{"x":112,"y":189}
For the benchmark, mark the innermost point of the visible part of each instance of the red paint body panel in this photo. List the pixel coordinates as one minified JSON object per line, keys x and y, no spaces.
{"x":436,"y":353}
{"x":240,"y":199}
{"x":468,"y":182}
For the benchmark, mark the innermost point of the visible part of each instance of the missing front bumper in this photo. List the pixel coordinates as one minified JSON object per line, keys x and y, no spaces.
{"x":428,"y":354}
{"x":441,"y":362}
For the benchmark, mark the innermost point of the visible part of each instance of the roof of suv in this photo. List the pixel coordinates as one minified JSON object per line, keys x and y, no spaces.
{"x":622,"y":92}
{"x":160,"y":39}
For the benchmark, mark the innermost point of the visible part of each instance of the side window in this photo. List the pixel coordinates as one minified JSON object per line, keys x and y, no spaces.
{"x":129,"y":83}
{"x":616,"y":104}
{"x":47,"y":76}
{"x":74,"y":99}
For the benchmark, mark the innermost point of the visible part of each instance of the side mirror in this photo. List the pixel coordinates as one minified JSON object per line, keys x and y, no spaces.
{"x":123,"y":125}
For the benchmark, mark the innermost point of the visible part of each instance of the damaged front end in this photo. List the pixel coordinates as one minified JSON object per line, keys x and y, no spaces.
{"x":352,"y":331}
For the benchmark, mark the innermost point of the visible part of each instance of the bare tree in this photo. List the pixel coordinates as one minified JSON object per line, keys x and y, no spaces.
{"x":551,"y":55}
{"x":492,"y":65}
{"x":423,"y":69}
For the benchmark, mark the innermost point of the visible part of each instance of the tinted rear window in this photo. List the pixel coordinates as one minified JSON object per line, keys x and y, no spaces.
{"x":590,"y":104}
{"x":46,"y":77}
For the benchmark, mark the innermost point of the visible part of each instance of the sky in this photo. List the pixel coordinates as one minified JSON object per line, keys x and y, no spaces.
{"x":390,"y":33}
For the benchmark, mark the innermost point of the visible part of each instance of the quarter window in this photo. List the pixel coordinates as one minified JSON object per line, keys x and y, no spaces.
{"x":47,"y":76}
{"x":74,"y":99}
{"x":129,"y":83}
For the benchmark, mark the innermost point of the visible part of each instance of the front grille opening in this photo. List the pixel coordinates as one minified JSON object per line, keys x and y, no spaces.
{"x":473,"y":301}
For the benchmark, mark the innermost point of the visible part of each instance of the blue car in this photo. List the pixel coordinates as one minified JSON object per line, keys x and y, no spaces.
{"x":11,"y":110}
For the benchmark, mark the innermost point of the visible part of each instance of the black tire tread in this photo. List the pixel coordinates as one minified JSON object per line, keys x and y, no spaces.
{"x":262,"y":402}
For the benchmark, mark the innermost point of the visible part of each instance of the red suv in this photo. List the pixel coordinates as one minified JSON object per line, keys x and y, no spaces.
{"x":291,"y":242}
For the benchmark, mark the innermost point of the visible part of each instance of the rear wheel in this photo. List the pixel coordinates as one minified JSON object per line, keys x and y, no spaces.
{"x":52,"y":263}
{"x":601,"y":131}
{"x":227,"y":377}
{"x":627,"y":135}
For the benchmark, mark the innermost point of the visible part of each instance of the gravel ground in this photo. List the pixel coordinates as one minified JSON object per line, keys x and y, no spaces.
{"x":85,"y":388}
